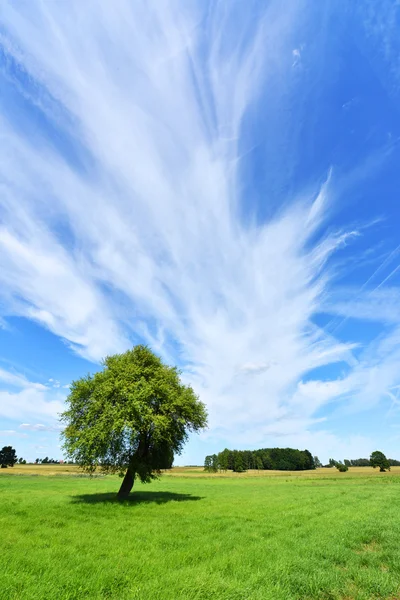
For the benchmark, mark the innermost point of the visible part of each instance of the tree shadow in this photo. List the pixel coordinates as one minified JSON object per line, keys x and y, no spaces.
{"x":135,"y":498}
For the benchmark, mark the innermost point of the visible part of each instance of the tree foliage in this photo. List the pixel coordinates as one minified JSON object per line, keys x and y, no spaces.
{"x":131,"y":417}
{"x":211,"y":463}
{"x":378,"y":459}
{"x":8,"y":457}
{"x":317,"y":462}
{"x":282,"y":459}
{"x":365,"y":462}
{"x":341,"y":467}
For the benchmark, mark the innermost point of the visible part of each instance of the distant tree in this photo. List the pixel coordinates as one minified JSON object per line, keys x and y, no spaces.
{"x":131,"y":417}
{"x":341,"y":467}
{"x":332,"y":462}
{"x":37,"y":461}
{"x":347,"y":462}
{"x":317,"y":462}
{"x":8,"y":457}
{"x":208,"y":463}
{"x":223,"y":460}
{"x":238,"y":465}
{"x":378,"y":459}
{"x":284,"y":459}
{"x":211,"y":463}
{"x":248,"y":459}
{"x":214,"y":463}
{"x":21,"y":461}
{"x":258,"y":463}
{"x":45,"y":460}
{"x":360,"y":462}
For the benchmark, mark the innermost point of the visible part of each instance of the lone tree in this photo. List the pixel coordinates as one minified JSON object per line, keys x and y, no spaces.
{"x":378,"y":459}
{"x":342,"y":468}
{"x":131,"y":417}
{"x":8,"y":457}
{"x":211,"y":463}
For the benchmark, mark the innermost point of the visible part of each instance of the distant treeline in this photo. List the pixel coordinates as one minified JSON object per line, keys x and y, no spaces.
{"x":51,"y":461}
{"x":362,"y":462}
{"x":281,"y":459}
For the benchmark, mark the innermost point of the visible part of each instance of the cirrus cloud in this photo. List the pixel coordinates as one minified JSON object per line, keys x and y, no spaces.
{"x":122,"y":210}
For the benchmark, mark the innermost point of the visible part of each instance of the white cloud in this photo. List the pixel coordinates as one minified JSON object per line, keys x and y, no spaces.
{"x":18,"y":380}
{"x":29,"y":403}
{"x":6,"y":433}
{"x":296,"y":57}
{"x":54,"y":383}
{"x":40,"y":427}
{"x":29,"y":399}
{"x":144,"y":237}
{"x":377,"y":305}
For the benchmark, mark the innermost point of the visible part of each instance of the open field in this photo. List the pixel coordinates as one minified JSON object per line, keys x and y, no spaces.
{"x":269,"y":536}
{"x":63,"y":469}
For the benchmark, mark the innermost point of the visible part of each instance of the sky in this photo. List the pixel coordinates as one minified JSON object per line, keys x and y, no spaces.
{"x":216,"y":179}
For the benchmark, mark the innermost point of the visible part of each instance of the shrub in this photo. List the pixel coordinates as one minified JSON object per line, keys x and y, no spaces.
{"x":341,"y":467}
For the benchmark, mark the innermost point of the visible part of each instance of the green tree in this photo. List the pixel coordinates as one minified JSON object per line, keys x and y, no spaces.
{"x":238,"y":466}
{"x":214,"y":463}
{"x":223,"y":460}
{"x":259,"y":463}
{"x":211,"y":463}
{"x":208,"y":463}
{"x":317,"y":462}
{"x":341,"y":467}
{"x":8,"y":457}
{"x":131,"y":417}
{"x":378,"y":459}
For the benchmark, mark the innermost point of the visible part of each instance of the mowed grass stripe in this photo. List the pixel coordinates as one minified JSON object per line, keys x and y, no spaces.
{"x":300,"y":537}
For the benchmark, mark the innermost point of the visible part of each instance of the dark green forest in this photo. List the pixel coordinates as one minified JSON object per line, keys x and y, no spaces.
{"x":281,"y":459}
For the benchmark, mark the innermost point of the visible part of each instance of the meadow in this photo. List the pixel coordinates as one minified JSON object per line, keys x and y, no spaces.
{"x":197,"y":536}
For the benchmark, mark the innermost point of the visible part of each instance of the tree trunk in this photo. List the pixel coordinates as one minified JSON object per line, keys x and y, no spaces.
{"x":126,"y":485}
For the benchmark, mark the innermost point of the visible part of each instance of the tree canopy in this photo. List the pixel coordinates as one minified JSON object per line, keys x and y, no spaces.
{"x":378,"y":459}
{"x":281,"y":459}
{"x":131,"y":417}
{"x":341,"y":467}
{"x":8,"y":457}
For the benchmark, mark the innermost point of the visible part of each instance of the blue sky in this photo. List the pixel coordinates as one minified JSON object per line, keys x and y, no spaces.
{"x":220,"y":181}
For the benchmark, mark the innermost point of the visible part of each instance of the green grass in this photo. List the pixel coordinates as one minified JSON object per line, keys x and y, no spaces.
{"x":201,"y":538}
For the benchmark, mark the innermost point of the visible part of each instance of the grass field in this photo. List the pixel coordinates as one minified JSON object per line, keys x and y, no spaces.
{"x":269,"y":536}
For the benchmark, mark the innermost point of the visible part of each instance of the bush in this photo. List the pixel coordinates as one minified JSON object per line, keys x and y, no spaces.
{"x":341,"y":467}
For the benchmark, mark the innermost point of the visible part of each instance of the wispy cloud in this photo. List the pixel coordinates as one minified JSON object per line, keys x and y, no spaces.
{"x":14,"y":379}
{"x":40,"y":427}
{"x":122,"y":210}
{"x":21,"y":398}
{"x":7,"y":433}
